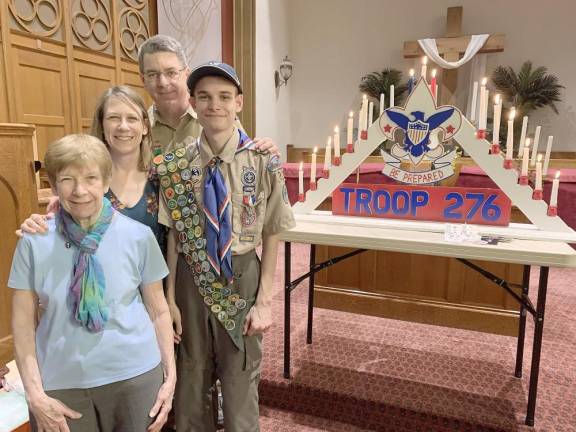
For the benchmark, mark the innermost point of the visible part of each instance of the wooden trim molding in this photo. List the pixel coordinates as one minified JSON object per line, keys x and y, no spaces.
{"x":244,"y":49}
{"x":228,"y":31}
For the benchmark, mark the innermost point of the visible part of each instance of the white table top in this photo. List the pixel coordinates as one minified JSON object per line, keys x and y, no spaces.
{"x":322,"y":228}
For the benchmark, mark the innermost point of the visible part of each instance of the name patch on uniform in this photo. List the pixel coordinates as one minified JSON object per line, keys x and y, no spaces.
{"x":247,"y":238}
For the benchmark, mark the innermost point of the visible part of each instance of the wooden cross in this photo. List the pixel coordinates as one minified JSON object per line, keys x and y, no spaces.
{"x":452,"y":47}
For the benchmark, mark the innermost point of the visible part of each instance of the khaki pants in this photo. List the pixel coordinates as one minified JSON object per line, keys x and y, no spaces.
{"x":122,"y":406}
{"x":207,"y":353}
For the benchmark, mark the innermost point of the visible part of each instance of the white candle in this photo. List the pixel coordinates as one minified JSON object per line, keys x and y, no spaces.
{"x":474,"y":102}
{"x":336,"y":141}
{"x":313,"y":166}
{"x":523,"y":135}
{"x":547,"y":155}
{"x":538,"y":182}
{"x":535,"y":145}
{"x":370,"y":113}
{"x":497,"y":115}
{"x":349,"y":136}
{"x":555,"y":187}
{"x":392,"y":95}
{"x":485,"y":111}
{"x":363,"y":113}
{"x":382,"y":105}
{"x":328,"y":155}
{"x":301,"y":179}
{"x":510,"y":136}
{"x":424,"y":67}
{"x":483,"y":105}
{"x":525,"y":159}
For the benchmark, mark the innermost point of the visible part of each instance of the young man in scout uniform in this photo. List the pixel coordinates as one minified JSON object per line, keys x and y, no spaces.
{"x":221,"y":200}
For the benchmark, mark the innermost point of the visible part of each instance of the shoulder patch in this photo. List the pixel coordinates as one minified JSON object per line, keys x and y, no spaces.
{"x":274,"y":163}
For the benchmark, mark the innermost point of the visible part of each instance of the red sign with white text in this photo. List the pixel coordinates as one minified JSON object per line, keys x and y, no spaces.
{"x":432,"y":203}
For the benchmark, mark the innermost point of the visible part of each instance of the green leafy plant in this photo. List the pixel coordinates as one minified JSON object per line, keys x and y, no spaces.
{"x":375,"y":83}
{"x":529,"y":89}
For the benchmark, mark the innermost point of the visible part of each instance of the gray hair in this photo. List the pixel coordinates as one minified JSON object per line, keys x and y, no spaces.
{"x":161,"y":43}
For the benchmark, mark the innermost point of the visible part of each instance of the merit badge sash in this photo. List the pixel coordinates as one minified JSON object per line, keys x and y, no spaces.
{"x":177,"y":181}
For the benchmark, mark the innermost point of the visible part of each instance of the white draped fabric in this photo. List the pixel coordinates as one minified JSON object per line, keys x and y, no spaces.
{"x":431,"y":49}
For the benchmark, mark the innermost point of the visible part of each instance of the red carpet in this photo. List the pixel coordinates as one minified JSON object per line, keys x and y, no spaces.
{"x":373,"y":374}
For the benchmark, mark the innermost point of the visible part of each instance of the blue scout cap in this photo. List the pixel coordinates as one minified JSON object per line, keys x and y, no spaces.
{"x":213,"y":68}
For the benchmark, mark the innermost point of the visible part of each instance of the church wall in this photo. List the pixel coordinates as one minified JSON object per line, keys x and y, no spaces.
{"x":272,"y":44}
{"x":333,"y":43}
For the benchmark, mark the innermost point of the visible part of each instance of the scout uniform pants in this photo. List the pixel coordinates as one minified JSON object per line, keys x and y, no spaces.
{"x":207,"y":352}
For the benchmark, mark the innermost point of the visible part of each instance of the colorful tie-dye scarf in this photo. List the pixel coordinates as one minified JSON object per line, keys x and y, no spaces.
{"x":88,"y":285}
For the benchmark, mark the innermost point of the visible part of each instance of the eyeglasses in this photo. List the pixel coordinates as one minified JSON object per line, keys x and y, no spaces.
{"x":170,"y":74}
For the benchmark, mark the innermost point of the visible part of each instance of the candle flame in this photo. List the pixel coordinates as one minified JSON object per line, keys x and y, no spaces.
{"x":301,"y":165}
{"x":433,"y":73}
{"x":484,"y":81}
{"x":364,"y":96}
{"x":540,"y":157}
{"x":557,"y":176}
{"x":351,"y":114}
{"x":497,"y":99}
{"x":512,"y":114}
{"x":527,"y":142}
{"x":424,"y":60}
{"x":336,"y":129}
{"x":411,"y":72}
{"x":315,"y":149}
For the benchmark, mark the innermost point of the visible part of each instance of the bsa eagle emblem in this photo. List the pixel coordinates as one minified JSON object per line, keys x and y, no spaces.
{"x":420,"y":158}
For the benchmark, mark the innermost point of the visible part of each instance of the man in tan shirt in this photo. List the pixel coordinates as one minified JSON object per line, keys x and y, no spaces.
{"x":164,"y":70}
{"x":220,"y":317}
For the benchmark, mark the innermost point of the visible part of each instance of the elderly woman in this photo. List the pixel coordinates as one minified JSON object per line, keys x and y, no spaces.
{"x":91,"y":327}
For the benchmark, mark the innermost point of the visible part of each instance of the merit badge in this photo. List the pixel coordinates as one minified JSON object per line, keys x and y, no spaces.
{"x":198,"y":231}
{"x":182,"y":201}
{"x":231,"y":310}
{"x":197,"y":268}
{"x":196,"y":219}
{"x":209,"y":290}
{"x":208,"y":300}
{"x":195,"y":256}
{"x":186,"y":248}
{"x":158,"y":159}
{"x":274,"y":163}
{"x":201,"y":290}
{"x":188,"y":222}
{"x":248,"y":176}
{"x":248,"y":216}
{"x":185,"y":212}
{"x":189,"y":185}
{"x":217,"y":296}
{"x":217,"y":285}
{"x":190,"y":234}
{"x":182,"y":237}
{"x":169,"y":157}
{"x":226,"y":292}
{"x":188,"y":260}
{"x":180,"y":152}
{"x":185,"y":174}
{"x":210,"y":277}
{"x":216,"y":308}
{"x":176,"y":215}
{"x":172,"y":167}
{"x":199,"y":243}
{"x":182,"y":164}
{"x":161,"y":169}
{"x":234,"y":298}
{"x":172,"y":204}
{"x":205,"y":266}
{"x":222,"y":316}
{"x":202,"y":255}
{"x":229,"y":325}
{"x":191,"y":197}
{"x":193,"y":208}
{"x":224,"y":302}
{"x":176,"y":178}
{"x":169,"y":193}
{"x":195,"y":171}
{"x":240,"y":304}
{"x":179,"y":188}
{"x":202,"y":280}
{"x":179,"y":225}
{"x":165,"y":181}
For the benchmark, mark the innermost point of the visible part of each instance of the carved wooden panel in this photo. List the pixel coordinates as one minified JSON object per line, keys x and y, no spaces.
{"x":39,"y":17}
{"x":18,"y":198}
{"x":92,"y":24}
{"x":133,"y":26}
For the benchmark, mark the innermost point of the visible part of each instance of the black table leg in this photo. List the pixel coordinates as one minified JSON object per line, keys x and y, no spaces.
{"x":311,"y":293}
{"x":287,"y":291}
{"x":522,"y":323}
{"x":537,"y":345}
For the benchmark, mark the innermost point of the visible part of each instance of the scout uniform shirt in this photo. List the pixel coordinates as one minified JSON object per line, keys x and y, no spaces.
{"x":166,"y":137}
{"x":259,"y":206}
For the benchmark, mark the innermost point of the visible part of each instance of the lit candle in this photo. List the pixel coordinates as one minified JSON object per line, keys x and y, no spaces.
{"x":525,"y":159}
{"x":535,"y":145}
{"x":301,"y":179}
{"x":474,"y":102}
{"x":349,"y":133}
{"x":328,"y":157}
{"x":538,"y":182}
{"x":336,"y":145}
{"x":433,"y":83}
{"x":555,"y":187}
{"x":370,"y":113}
{"x":392,"y":95}
{"x":313,"y":170}
{"x":497,"y":115}
{"x":382,"y":105}
{"x":424,"y":67}
{"x":522,"y":135}
{"x":510,"y":139}
{"x":547,"y":155}
{"x":410,"y":81}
